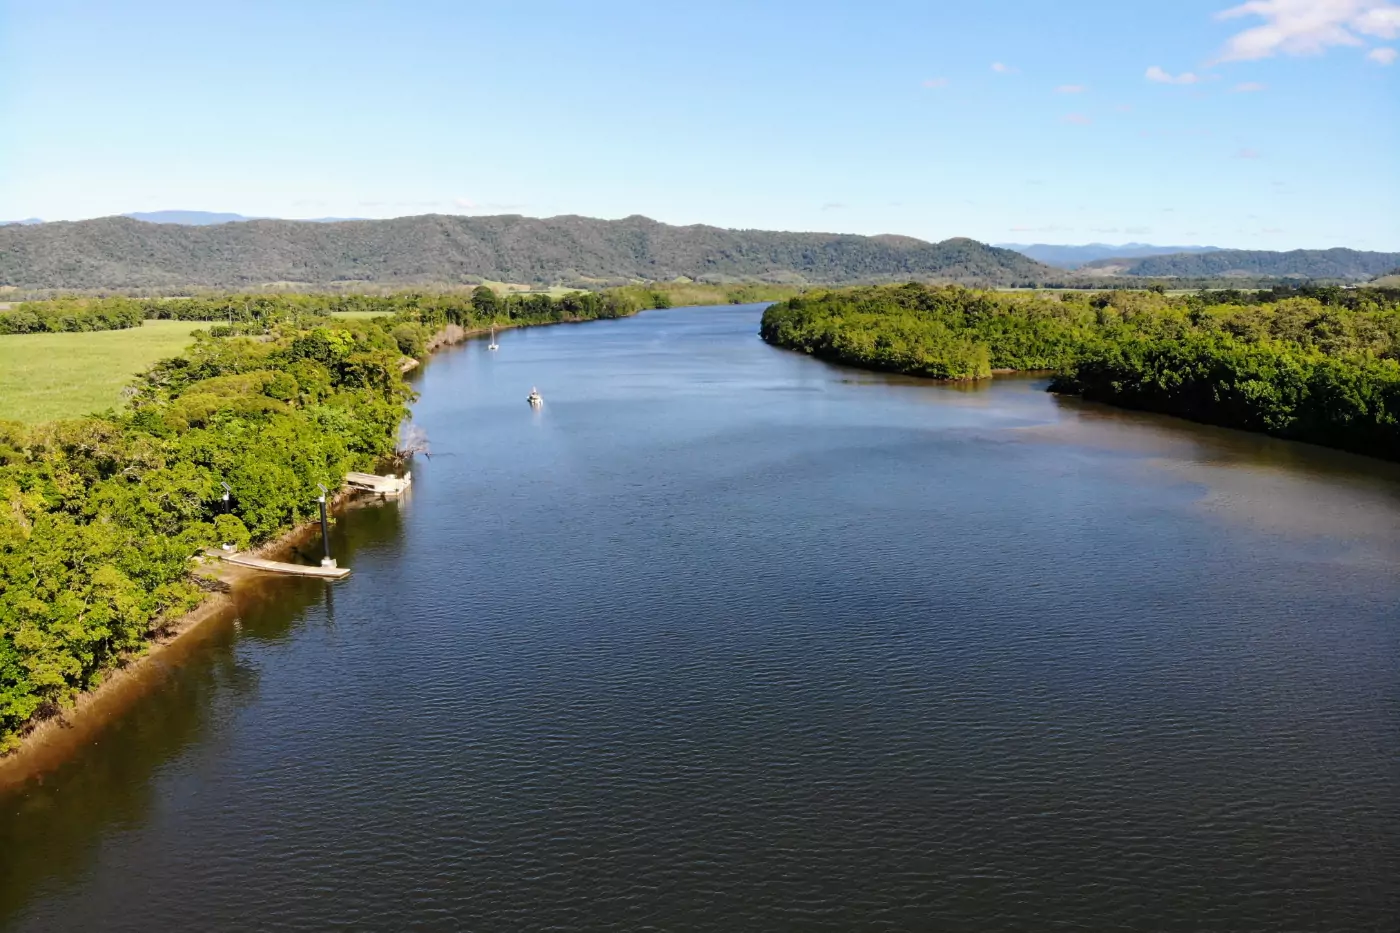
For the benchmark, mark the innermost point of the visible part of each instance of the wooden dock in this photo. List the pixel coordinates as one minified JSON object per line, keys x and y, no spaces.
{"x":277,"y":566}
{"x":390,"y":487}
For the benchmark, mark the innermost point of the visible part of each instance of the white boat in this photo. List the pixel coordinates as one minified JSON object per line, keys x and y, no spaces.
{"x":492,"y":344}
{"x":534,"y":398}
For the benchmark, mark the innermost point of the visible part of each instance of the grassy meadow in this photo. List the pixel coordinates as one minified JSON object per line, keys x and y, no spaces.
{"x":49,"y":376}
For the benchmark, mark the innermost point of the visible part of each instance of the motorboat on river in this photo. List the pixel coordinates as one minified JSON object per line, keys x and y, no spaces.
{"x":534,"y":398}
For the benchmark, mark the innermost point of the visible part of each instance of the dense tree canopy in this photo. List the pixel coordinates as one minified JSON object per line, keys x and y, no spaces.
{"x":1316,"y":364}
{"x":100,"y":517}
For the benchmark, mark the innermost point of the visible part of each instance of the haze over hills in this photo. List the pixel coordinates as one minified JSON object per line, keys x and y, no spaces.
{"x":209,"y":218}
{"x":1344,"y":264}
{"x":121,"y":252}
{"x":189,"y":218}
{"x":1072,"y":257}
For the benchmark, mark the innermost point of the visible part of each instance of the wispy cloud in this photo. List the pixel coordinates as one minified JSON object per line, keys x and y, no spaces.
{"x":1137,"y":231}
{"x":1307,"y":27}
{"x":1078,"y":119}
{"x":936,"y":82}
{"x":1160,"y":76}
{"x":833,"y":206}
{"x":1383,"y":55}
{"x":1249,"y":87}
{"x":1248,"y":154}
{"x":1071,"y":89}
{"x":1004,"y":69}
{"x":1124,"y":108}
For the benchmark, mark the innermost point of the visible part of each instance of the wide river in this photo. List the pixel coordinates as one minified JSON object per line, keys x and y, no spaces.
{"x":725,"y":638}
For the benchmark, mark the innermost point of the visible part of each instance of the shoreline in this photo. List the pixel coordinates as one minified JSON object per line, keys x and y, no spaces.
{"x":47,"y":743}
{"x":50,"y":742}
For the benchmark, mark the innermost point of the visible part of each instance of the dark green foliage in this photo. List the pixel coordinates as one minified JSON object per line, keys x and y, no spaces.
{"x":71,"y":316}
{"x":118,"y":252}
{"x":942,"y":332}
{"x":1312,"y":364}
{"x":247,"y":314}
{"x":100,"y":518}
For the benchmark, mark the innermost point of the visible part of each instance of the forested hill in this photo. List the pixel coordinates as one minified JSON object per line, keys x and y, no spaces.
{"x":1341,"y":264}
{"x":118,"y":252}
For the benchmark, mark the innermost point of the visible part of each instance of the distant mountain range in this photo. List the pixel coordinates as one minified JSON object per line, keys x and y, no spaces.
{"x":179,"y":249}
{"x":1072,"y":257}
{"x":123,"y":252}
{"x":1348,"y":265}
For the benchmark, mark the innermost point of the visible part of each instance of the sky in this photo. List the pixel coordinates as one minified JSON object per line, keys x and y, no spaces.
{"x":1270,"y":124}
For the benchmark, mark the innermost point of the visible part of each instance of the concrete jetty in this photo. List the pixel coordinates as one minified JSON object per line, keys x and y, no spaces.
{"x":390,"y":487}
{"x":325,"y":571}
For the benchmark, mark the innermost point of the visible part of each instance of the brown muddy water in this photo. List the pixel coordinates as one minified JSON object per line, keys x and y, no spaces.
{"x":725,"y":638}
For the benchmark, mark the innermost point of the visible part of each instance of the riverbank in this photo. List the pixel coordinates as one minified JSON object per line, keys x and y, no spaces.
{"x":1304,"y":363}
{"x":49,"y":742}
{"x":45,"y":743}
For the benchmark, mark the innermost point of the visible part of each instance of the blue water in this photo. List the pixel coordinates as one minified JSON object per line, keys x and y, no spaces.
{"x":725,"y":638}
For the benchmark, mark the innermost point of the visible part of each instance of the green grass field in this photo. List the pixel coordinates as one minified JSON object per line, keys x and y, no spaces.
{"x":44,"y":377}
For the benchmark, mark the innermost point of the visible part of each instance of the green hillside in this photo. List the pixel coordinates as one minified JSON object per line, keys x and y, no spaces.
{"x":118,"y":252}
{"x":1348,"y":265}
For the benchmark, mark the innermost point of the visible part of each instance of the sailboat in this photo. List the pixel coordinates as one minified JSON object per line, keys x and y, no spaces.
{"x":492,"y":344}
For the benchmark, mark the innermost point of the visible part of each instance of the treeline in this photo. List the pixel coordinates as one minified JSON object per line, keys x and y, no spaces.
{"x":246,"y":313}
{"x":101,"y":517}
{"x":1311,"y":364}
{"x":255,"y":313}
{"x":72,"y":315}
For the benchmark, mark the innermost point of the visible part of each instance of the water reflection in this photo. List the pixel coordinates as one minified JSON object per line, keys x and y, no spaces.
{"x":51,"y":825}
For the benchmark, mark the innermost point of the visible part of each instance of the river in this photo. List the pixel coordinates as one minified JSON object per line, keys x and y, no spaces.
{"x":726,"y":638}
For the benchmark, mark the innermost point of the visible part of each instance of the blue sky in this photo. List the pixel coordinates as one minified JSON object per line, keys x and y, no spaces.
{"x":1276,"y":126}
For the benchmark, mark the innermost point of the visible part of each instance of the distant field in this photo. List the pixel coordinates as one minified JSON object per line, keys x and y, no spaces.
{"x":44,"y":377}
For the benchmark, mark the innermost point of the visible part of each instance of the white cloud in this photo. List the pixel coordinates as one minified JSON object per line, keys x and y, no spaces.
{"x":1247,"y":154}
{"x":1307,"y":27}
{"x":1155,"y":73}
{"x":936,"y":82}
{"x":1003,"y":69}
{"x":1383,"y":56}
{"x":466,"y":204}
{"x":1071,"y":89}
{"x":1078,"y":119}
{"x":1249,"y":87}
